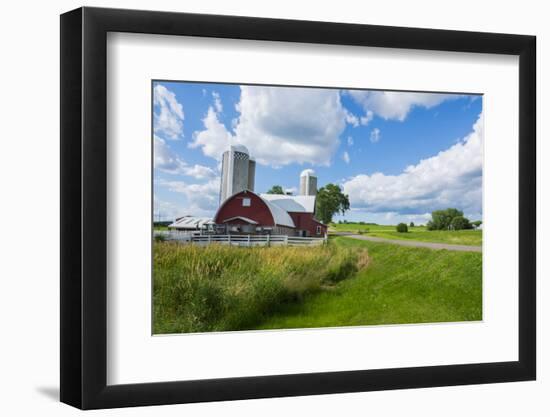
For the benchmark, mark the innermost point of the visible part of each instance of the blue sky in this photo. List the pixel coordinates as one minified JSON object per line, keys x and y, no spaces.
{"x":398,"y":155}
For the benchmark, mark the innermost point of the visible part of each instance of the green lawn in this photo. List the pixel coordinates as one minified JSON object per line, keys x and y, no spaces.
{"x":400,"y":285}
{"x":420,"y":233}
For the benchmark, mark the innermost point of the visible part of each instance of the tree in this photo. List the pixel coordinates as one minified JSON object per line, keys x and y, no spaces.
{"x":477,"y":223}
{"x":441,"y":219}
{"x":460,"y":223}
{"x":402,"y":228}
{"x":276,"y":189}
{"x":330,"y":200}
{"x":412,"y":224}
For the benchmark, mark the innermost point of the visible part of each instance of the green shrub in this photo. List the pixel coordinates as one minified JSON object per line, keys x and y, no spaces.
{"x":402,"y":228}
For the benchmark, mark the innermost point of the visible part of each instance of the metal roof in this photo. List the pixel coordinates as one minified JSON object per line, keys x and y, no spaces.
{"x":280,"y":216}
{"x":292,"y":203}
{"x":246,"y":219}
{"x":190,"y":222}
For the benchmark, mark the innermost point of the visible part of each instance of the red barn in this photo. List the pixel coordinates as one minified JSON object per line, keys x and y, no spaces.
{"x":248,"y":213}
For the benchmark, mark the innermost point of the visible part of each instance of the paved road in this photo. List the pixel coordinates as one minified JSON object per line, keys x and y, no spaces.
{"x":414,"y":243}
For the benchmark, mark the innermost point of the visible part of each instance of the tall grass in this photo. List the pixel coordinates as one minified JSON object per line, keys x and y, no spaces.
{"x":218,"y":288}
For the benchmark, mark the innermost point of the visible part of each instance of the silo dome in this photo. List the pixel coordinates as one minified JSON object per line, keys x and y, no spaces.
{"x":307,"y":172}
{"x":240,"y":148}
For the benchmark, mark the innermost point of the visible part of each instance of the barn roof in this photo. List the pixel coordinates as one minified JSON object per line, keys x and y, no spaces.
{"x":292,"y":203}
{"x":190,"y":222}
{"x":280,"y":216}
{"x":246,"y":219}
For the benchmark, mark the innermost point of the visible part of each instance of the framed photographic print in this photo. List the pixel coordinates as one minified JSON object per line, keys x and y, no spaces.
{"x":258,"y":207}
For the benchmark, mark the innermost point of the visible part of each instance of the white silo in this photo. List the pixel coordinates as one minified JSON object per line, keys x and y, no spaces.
{"x":308,"y":182}
{"x":235,"y":172}
{"x":251,"y":173}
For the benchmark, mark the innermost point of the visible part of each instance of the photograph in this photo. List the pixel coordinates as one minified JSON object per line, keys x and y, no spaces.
{"x":290,"y":207}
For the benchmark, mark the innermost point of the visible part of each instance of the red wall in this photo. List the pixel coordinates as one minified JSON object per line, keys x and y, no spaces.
{"x":233,"y":206}
{"x":305,"y":221}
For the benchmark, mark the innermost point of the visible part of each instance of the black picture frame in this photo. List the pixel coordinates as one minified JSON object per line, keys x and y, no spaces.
{"x":84,"y":207}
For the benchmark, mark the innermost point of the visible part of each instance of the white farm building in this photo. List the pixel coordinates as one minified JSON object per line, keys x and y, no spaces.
{"x":190,"y":223}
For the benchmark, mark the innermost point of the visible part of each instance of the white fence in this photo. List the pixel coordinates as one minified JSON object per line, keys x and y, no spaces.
{"x":242,"y":240}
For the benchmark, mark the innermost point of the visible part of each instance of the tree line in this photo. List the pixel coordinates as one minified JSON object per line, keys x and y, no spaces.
{"x":451,"y":219}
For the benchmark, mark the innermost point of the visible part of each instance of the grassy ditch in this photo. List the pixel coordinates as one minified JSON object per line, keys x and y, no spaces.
{"x":401,"y":285}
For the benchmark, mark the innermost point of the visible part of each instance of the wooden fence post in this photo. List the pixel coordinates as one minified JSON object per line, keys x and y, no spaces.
{"x":229,"y":239}
{"x":286,"y":240}
{"x":248,"y":240}
{"x":268,"y":239}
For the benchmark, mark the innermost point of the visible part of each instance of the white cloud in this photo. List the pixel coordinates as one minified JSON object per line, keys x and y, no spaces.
{"x":395,"y":105}
{"x":217,"y":102}
{"x":452,"y":178}
{"x":164,"y":159}
{"x":366,"y":119}
{"x":351,"y":118}
{"x":164,"y":210}
{"x":200,"y":199}
{"x":168,"y":114}
{"x":199,"y":171}
{"x":350,"y":141}
{"x":214,"y":139}
{"x":279,"y":126}
{"x":167,"y":161}
{"x":345,"y":157}
{"x":375,"y":135}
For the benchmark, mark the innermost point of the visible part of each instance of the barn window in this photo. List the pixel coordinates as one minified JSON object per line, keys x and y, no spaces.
{"x":318,"y":230}
{"x":246,"y":202}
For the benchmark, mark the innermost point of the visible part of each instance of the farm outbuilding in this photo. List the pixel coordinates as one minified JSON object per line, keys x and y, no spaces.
{"x":190,"y":223}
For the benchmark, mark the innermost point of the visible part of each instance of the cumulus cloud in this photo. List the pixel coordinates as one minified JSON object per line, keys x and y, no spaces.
{"x":452,"y":178}
{"x":200,"y":199}
{"x":165,"y":210}
{"x":168,"y":113}
{"x":279,"y":126}
{"x":167,"y":161}
{"x":345,"y":157}
{"x":375,"y":135}
{"x":352,"y":119}
{"x":214,"y":139}
{"x":350,"y":141}
{"x":217,"y":102}
{"x":366,"y":119}
{"x":395,"y":105}
{"x":164,"y":159}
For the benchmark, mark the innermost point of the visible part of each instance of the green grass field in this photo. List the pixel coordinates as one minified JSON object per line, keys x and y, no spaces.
{"x":220,"y":288}
{"x":400,"y":285}
{"x":420,"y":233}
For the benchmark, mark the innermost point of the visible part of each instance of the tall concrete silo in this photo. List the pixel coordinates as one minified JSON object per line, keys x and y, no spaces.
{"x":308,"y":182}
{"x":251,"y":173}
{"x":235,"y":172}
